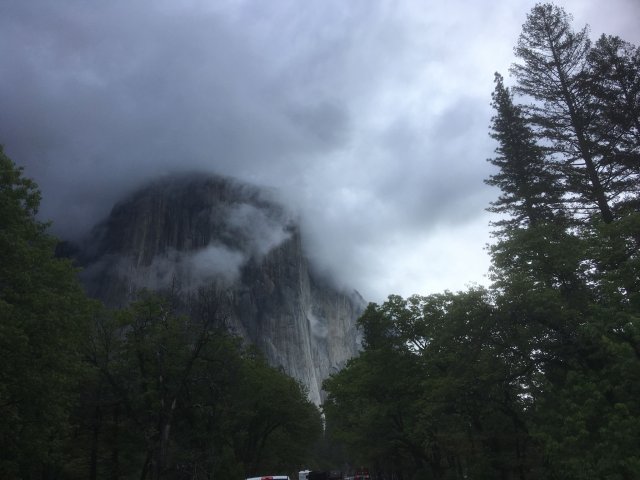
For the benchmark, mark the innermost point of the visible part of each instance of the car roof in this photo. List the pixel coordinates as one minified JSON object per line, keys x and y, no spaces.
{"x":270,"y":477}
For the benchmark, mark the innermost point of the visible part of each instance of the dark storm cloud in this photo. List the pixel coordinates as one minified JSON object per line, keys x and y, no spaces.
{"x":104,"y":96}
{"x":369,"y":116}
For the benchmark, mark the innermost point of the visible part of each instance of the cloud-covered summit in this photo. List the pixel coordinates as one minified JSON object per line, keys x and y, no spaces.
{"x":195,"y":229}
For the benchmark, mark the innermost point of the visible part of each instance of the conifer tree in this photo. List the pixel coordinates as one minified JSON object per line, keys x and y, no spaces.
{"x":533,"y":238}
{"x":552,"y":72}
{"x":614,"y":83}
{"x":530,"y":192}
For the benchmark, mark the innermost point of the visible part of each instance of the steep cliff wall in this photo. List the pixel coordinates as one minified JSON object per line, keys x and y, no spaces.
{"x":199,"y":234}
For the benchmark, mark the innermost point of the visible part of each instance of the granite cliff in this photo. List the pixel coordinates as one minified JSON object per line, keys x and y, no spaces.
{"x":212,"y":237}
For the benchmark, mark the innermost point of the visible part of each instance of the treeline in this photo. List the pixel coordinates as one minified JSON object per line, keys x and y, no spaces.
{"x":537,"y":376}
{"x":148,"y":392}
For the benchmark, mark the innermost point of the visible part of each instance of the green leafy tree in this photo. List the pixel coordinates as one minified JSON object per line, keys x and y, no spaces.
{"x":44,"y":316}
{"x":585,"y":414}
{"x":177,"y":396}
{"x":275,"y":425}
{"x":147,"y":357}
{"x":372,"y":404}
{"x":437,"y":393}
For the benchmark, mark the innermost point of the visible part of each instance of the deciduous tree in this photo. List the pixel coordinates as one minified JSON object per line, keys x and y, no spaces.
{"x":44,"y":316}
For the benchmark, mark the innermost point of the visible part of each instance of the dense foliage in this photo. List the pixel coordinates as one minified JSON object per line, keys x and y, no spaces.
{"x":537,"y":376}
{"x":156,"y":390}
{"x":43,"y":317}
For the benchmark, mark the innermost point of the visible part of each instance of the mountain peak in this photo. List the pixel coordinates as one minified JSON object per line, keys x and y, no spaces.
{"x":198,"y":233}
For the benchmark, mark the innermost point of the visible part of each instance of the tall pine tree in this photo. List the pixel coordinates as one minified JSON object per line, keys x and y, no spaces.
{"x":614,"y":82}
{"x":530,"y":192}
{"x":552,"y":72}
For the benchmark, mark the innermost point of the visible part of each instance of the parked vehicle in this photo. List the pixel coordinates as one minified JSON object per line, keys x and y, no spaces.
{"x":271,"y":477}
{"x":314,"y":475}
{"x":362,"y":474}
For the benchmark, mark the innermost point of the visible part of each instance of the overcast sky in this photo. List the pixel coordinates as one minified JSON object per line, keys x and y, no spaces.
{"x":370,"y":116}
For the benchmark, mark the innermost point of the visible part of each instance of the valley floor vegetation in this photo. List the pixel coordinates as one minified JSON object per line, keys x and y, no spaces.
{"x":537,"y":376}
{"x":155,"y":390}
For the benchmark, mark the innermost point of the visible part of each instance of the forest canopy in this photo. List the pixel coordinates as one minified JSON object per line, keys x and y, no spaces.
{"x":148,"y":391}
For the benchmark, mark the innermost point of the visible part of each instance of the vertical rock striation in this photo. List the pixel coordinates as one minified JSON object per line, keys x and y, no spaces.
{"x":202,"y":234}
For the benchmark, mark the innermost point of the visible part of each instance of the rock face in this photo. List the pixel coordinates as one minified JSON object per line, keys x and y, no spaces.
{"x":213,"y":237}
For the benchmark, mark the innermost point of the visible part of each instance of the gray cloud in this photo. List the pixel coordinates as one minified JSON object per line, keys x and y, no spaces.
{"x":215,"y":262}
{"x":262,"y":229}
{"x":370,"y":117}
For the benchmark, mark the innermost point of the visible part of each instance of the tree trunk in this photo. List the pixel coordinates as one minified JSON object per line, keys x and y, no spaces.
{"x":97,"y":420}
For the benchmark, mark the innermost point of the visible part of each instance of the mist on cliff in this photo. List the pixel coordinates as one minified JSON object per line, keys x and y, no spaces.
{"x":186,"y":231}
{"x":215,"y":264}
{"x":368,"y":117}
{"x":254,"y":232}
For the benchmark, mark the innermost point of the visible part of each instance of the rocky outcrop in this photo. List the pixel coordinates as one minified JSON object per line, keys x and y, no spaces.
{"x":212,"y":237}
